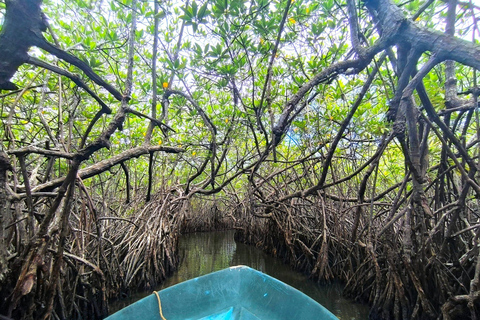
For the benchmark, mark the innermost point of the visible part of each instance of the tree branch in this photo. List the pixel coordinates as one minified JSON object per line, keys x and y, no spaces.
{"x":106,"y":164}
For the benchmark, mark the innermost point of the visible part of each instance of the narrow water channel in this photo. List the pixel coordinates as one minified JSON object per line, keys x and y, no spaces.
{"x":202,"y":253}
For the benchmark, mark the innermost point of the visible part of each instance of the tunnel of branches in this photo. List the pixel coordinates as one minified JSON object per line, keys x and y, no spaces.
{"x":342,"y":136}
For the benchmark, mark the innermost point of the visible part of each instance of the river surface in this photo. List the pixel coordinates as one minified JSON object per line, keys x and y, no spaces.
{"x":202,"y":253}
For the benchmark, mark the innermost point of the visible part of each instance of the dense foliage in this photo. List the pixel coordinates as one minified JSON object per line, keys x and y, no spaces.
{"x":343,"y":136}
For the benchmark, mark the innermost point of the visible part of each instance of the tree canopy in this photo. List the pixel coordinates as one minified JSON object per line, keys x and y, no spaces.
{"x":349,"y":130}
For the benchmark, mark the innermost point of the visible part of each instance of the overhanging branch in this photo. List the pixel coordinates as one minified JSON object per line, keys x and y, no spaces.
{"x":106,"y":164}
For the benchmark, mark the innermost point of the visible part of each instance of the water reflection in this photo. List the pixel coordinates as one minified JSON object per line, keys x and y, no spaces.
{"x":202,"y":253}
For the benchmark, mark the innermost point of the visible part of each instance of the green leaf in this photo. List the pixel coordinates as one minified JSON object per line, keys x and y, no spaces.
{"x":194,"y":9}
{"x":202,"y":12}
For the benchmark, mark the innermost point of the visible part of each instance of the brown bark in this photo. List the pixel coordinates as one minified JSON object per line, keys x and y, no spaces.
{"x":106,"y":164}
{"x":5,"y":166}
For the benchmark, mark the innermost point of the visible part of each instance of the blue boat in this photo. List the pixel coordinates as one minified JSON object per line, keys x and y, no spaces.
{"x":236,"y":293}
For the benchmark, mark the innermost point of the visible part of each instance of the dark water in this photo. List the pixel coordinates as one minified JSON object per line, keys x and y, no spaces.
{"x":202,"y":253}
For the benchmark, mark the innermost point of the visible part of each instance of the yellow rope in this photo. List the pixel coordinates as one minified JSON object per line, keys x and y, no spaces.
{"x":159,"y":305}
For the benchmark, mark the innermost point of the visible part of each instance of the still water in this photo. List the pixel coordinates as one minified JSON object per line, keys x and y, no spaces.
{"x":202,"y":253}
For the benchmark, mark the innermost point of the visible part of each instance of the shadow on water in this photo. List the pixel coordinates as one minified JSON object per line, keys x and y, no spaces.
{"x":203,"y":253}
